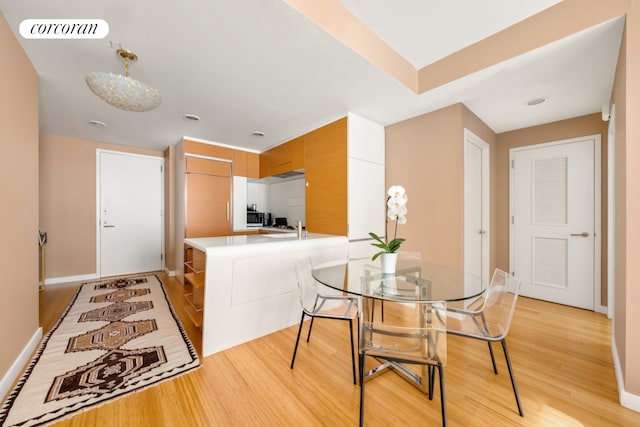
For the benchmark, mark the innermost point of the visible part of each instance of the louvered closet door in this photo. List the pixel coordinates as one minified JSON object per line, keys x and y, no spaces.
{"x":553,"y":209}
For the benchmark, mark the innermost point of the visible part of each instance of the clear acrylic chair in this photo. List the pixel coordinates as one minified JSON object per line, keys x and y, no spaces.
{"x":489,"y":319}
{"x":324,"y":305}
{"x":415,"y":333}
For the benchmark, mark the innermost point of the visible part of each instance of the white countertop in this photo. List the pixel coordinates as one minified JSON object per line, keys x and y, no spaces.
{"x":291,"y":237}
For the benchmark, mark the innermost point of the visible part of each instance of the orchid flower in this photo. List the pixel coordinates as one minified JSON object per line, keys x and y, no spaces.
{"x":396,"y":211}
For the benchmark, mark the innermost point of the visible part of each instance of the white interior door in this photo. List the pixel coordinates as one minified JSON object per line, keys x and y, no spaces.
{"x":476,"y":206}
{"x":130,"y":207}
{"x":555,"y":205}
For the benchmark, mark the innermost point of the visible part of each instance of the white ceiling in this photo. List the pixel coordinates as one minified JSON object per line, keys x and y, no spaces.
{"x":447,"y":25}
{"x":259,"y":65}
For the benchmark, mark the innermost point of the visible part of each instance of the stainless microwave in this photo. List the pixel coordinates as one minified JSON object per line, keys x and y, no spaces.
{"x":255,"y":219}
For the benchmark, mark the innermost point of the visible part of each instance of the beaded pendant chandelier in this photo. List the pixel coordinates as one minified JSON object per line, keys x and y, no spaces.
{"x":122,"y":91}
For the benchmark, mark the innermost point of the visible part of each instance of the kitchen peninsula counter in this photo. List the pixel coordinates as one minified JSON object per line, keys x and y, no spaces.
{"x":250,"y":285}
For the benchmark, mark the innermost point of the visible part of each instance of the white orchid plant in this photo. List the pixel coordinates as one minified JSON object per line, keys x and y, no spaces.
{"x":396,"y":211}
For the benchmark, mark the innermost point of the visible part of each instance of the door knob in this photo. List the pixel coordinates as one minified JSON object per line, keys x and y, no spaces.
{"x":583,"y":234}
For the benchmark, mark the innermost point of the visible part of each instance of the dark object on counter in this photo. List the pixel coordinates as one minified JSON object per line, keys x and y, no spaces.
{"x":267,"y":220}
{"x":280,"y":221}
{"x":255,"y":219}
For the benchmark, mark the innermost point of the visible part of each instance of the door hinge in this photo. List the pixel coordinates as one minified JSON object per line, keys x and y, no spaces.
{"x":512,"y":220}
{"x":161,"y":257}
{"x":513,"y":163}
{"x":161,"y":168}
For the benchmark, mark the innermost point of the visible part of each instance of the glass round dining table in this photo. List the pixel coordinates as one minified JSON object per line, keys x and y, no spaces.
{"x":414,"y":280}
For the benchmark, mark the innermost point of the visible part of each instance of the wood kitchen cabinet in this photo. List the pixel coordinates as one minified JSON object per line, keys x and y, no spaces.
{"x":208,"y":150}
{"x":283,"y":158}
{"x":199,"y":165}
{"x":325,"y":161}
{"x":208,"y":206}
{"x":345,"y":184}
{"x":253,"y":165}
{"x":203,"y":188}
{"x":344,"y":170}
{"x":208,"y":198}
{"x":246,"y":164}
{"x":239,"y":163}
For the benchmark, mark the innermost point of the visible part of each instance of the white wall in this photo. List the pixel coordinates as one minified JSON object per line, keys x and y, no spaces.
{"x":281,"y":199}
{"x":258,"y":193}
{"x":239,"y":202}
{"x":287,"y":199}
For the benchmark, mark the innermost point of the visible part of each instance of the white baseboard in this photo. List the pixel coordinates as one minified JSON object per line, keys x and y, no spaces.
{"x":170,"y":273}
{"x":628,"y":400}
{"x":19,"y":363}
{"x":84,"y":277}
{"x":67,"y":279}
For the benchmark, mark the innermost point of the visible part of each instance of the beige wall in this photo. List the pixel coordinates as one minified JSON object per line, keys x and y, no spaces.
{"x":618,"y":98}
{"x":631,"y":369}
{"x":626,"y":97}
{"x":565,"y":129}
{"x":19,"y":199}
{"x":432,"y":144}
{"x":68,"y":202}
{"x":424,"y":154}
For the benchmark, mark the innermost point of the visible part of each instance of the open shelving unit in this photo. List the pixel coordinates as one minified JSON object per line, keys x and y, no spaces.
{"x":194,"y":280}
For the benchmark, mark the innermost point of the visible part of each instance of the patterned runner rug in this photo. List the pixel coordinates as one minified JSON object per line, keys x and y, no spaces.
{"x":117,"y":336}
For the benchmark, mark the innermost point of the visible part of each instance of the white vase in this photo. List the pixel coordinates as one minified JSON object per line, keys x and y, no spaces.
{"x":388,"y":262}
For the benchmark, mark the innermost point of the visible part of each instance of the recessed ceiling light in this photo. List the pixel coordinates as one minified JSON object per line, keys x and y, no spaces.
{"x":257,"y":133}
{"x":191,"y":117}
{"x":537,"y":101}
{"x":97,"y":123}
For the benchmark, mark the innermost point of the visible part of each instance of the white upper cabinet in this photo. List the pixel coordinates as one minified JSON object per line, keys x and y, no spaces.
{"x":366,"y":178}
{"x":367,"y":208}
{"x":366,"y":139}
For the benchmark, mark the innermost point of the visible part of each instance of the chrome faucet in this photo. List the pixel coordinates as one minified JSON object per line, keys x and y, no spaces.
{"x":298,"y":227}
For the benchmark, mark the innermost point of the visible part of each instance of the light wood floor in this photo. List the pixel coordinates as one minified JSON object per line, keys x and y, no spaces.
{"x":561,"y":356}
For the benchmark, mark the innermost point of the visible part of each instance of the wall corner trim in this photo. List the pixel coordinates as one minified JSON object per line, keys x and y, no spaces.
{"x":22,"y":360}
{"x":628,"y":400}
